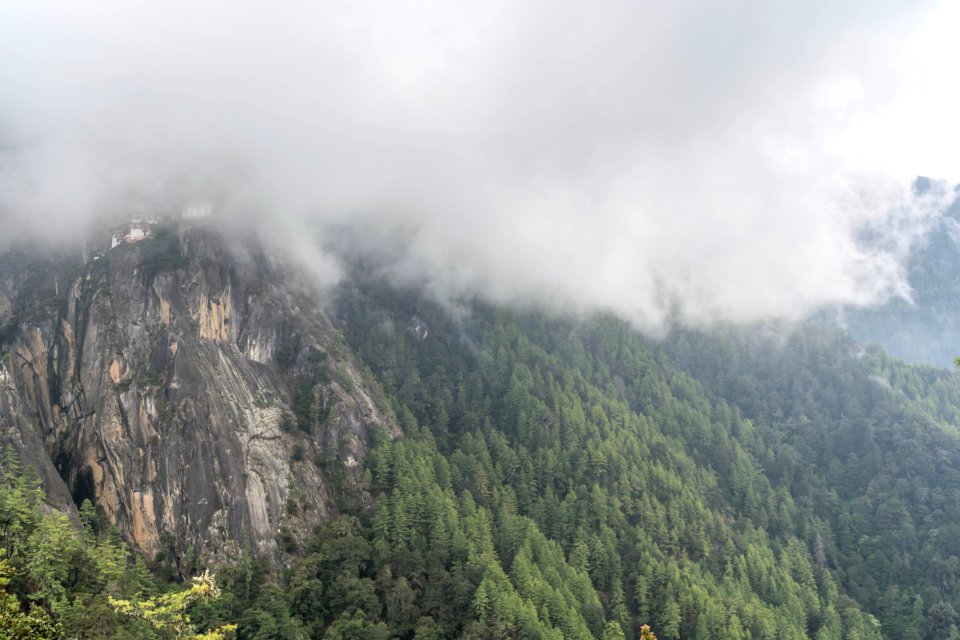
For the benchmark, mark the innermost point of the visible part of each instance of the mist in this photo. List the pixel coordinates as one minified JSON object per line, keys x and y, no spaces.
{"x":700,"y":161}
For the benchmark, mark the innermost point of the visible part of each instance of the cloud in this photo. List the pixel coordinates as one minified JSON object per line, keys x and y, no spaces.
{"x":701,"y":160}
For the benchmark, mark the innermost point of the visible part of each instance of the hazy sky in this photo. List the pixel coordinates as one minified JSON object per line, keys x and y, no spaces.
{"x":715,"y":159}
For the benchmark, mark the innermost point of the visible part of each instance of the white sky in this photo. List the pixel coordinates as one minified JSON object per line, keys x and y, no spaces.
{"x":712,"y":158}
{"x":913,"y":127}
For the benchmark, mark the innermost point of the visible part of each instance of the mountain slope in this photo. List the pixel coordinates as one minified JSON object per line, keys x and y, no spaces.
{"x":588,"y":438}
{"x":556,"y":478}
{"x":868,"y":448}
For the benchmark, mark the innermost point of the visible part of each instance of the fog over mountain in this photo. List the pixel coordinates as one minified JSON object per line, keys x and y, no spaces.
{"x":703,"y":160}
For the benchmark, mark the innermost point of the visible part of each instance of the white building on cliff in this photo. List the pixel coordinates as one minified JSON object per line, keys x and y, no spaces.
{"x":140,"y":227}
{"x":195,"y":210}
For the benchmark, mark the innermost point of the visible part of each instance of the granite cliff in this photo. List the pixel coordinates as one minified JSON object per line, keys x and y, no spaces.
{"x":190,"y":386}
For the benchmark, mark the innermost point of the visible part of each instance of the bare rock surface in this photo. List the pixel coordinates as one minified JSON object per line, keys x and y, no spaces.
{"x":193,"y":388}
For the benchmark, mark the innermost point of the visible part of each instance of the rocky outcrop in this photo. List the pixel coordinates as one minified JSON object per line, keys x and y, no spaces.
{"x":192,"y":388}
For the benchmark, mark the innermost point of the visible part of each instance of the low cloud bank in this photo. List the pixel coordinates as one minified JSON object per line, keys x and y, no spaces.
{"x":704,"y":161}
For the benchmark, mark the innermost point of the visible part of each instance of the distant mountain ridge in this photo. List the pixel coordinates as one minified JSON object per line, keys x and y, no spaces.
{"x":926,"y":331}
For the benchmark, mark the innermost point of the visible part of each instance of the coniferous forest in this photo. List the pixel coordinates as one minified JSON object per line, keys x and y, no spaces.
{"x":562,"y":478}
{"x":537,"y":320}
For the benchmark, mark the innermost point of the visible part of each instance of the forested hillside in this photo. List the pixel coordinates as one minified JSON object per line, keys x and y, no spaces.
{"x":868,"y":449}
{"x":573,"y":479}
{"x":525,"y":320}
{"x":784,"y":480}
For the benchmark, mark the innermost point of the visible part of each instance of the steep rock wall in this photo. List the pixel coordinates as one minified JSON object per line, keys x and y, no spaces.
{"x":159,"y":381}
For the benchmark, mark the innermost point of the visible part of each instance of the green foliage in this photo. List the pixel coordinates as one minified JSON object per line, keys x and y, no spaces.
{"x":60,"y":578}
{"x":864,"y":445}
{"x":298,"y":453}
{"x":569,"y":479}
{"x":309,"y":404}
{"x":571,"y":483}
{"x":161,"y":253}
{"x":48,"y":554}
{"x":35,"y":624}
{"x":288,"y":351}
{"x":305,"y":403}
{"x":169,"y":610}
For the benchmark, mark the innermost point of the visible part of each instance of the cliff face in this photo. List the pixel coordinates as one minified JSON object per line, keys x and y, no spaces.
{"x":197,"y":393}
